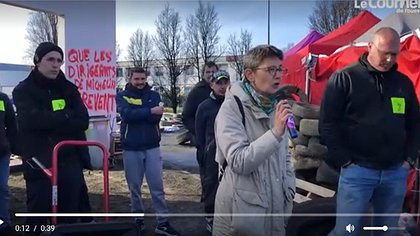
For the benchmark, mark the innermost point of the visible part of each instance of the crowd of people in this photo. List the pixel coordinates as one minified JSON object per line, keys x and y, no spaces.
{"x":369,"y":121}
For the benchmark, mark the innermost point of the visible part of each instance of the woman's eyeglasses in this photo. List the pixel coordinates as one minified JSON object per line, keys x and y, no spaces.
{"x":273,"y":69}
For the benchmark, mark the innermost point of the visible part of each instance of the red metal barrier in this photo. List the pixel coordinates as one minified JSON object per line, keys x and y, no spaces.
{"x":53,"y":173}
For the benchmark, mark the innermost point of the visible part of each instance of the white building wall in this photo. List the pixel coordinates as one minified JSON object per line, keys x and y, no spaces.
{"x":88,"y":40}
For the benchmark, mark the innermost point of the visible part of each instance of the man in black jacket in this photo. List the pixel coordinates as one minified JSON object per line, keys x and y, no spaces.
{"x":197,"y":95}
{"x":50,"y":110}
{"x":205,"y":140}
{"x":8,"y":132}
{"x":370,"y":122}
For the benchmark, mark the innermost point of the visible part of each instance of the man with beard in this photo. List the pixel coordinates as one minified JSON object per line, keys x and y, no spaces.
{"x":141,"y":112}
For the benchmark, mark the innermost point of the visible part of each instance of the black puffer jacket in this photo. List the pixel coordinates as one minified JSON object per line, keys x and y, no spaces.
{"x":49,"y":111}
{"x":370,"y":117}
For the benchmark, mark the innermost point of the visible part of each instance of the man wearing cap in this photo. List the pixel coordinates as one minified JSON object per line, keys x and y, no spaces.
{"x":205,"y":140}
{"x":50,"y":110}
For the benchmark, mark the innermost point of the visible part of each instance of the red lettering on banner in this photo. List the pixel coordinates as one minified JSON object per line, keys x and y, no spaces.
{"x":102,"y":56}
{"x":99,"y":102}
{"x":99,"y":70}
{"x":75,"y":55}
{"x":81,"y":70}
{"x":71,"y":71}
{"x":92,"y":73}
{"x":92,"y":84}
{"x":86,"y":100}
{"x":79,"y":83}
{"x":114,"y":72}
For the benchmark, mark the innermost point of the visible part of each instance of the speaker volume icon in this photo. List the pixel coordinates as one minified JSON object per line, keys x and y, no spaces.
{"x":350,"y":228}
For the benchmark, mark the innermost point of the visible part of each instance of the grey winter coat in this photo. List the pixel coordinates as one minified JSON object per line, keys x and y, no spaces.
{"x":256,"y":193}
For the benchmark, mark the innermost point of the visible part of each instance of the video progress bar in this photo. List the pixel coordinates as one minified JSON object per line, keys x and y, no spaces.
{"x":79,"y":214}
{"x":99,"y":214}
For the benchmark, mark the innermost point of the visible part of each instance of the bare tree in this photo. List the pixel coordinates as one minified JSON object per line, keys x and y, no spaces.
{"x":237,"y":48}
{"x":329,"y":15}
{"x":171,"y":48}
{"x":202,"y":35}
{"x":118,"y":51}
{"x":288,"y":46}
{"x":191,"y":38}
{"x":140,"y":49}
{"x":41,"y":27}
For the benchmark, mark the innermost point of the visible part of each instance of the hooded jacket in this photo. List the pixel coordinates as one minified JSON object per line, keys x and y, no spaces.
{"x":8,"y":128}
{"x":48,"y":112}
{"x":370,"y":118}
{"x":139,"y":127}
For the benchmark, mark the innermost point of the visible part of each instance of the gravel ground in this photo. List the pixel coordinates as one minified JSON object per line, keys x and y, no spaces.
{"x":181,"y":183}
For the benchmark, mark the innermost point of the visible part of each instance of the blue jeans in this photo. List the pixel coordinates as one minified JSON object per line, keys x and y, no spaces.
{"x":4,"y":189}
{"x":149,"y":163}
{"x":359,"y":187}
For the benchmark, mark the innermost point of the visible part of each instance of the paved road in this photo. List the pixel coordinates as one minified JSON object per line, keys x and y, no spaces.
{"x":178,"y":156}
{"x":174,"y":155}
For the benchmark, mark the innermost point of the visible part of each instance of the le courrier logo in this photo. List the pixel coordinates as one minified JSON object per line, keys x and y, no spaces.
{"x":401,"y":6}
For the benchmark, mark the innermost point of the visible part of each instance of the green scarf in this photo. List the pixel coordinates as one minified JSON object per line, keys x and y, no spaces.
{"x":266,"y":103}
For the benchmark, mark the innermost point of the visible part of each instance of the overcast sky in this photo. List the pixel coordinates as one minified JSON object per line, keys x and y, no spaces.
{"x":288,"y":19}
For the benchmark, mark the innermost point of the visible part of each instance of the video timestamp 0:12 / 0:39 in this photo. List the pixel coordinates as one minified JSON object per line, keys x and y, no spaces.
{"x":28,"y":228}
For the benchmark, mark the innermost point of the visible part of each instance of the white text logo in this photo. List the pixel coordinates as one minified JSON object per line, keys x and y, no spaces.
{"x":396,"y":4}
{"x":401,"y":6}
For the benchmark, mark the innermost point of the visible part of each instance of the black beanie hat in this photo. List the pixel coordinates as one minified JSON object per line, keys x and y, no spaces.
{"x":44,"y":48}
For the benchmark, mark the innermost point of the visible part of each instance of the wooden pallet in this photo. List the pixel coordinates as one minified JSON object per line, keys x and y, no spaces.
{"x":15,"y":164}
{"x":313,"y":191}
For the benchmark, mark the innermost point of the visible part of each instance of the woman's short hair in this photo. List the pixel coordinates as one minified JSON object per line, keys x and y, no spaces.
{"x":254,"y":57}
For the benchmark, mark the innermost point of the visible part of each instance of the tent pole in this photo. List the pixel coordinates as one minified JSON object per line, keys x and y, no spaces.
{"x":268,"y":22}
{"x":307,"y":84}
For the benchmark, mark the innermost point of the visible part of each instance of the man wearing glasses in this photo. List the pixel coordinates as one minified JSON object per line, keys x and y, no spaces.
{"x":370,"y":122}
{"x":49,"y":110}
{"x":140,"y":111}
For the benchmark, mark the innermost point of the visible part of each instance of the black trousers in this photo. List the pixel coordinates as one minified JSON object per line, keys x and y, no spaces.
{"x":201,"y":169}
{"x":39,"y":197}
{"x":210,"y":182}
{"x":85,"y":206}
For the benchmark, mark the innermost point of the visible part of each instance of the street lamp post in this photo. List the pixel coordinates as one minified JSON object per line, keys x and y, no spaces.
{"x":268,"y":21}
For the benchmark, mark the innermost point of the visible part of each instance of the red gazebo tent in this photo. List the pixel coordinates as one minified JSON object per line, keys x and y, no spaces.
{"x":297,"y":70}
